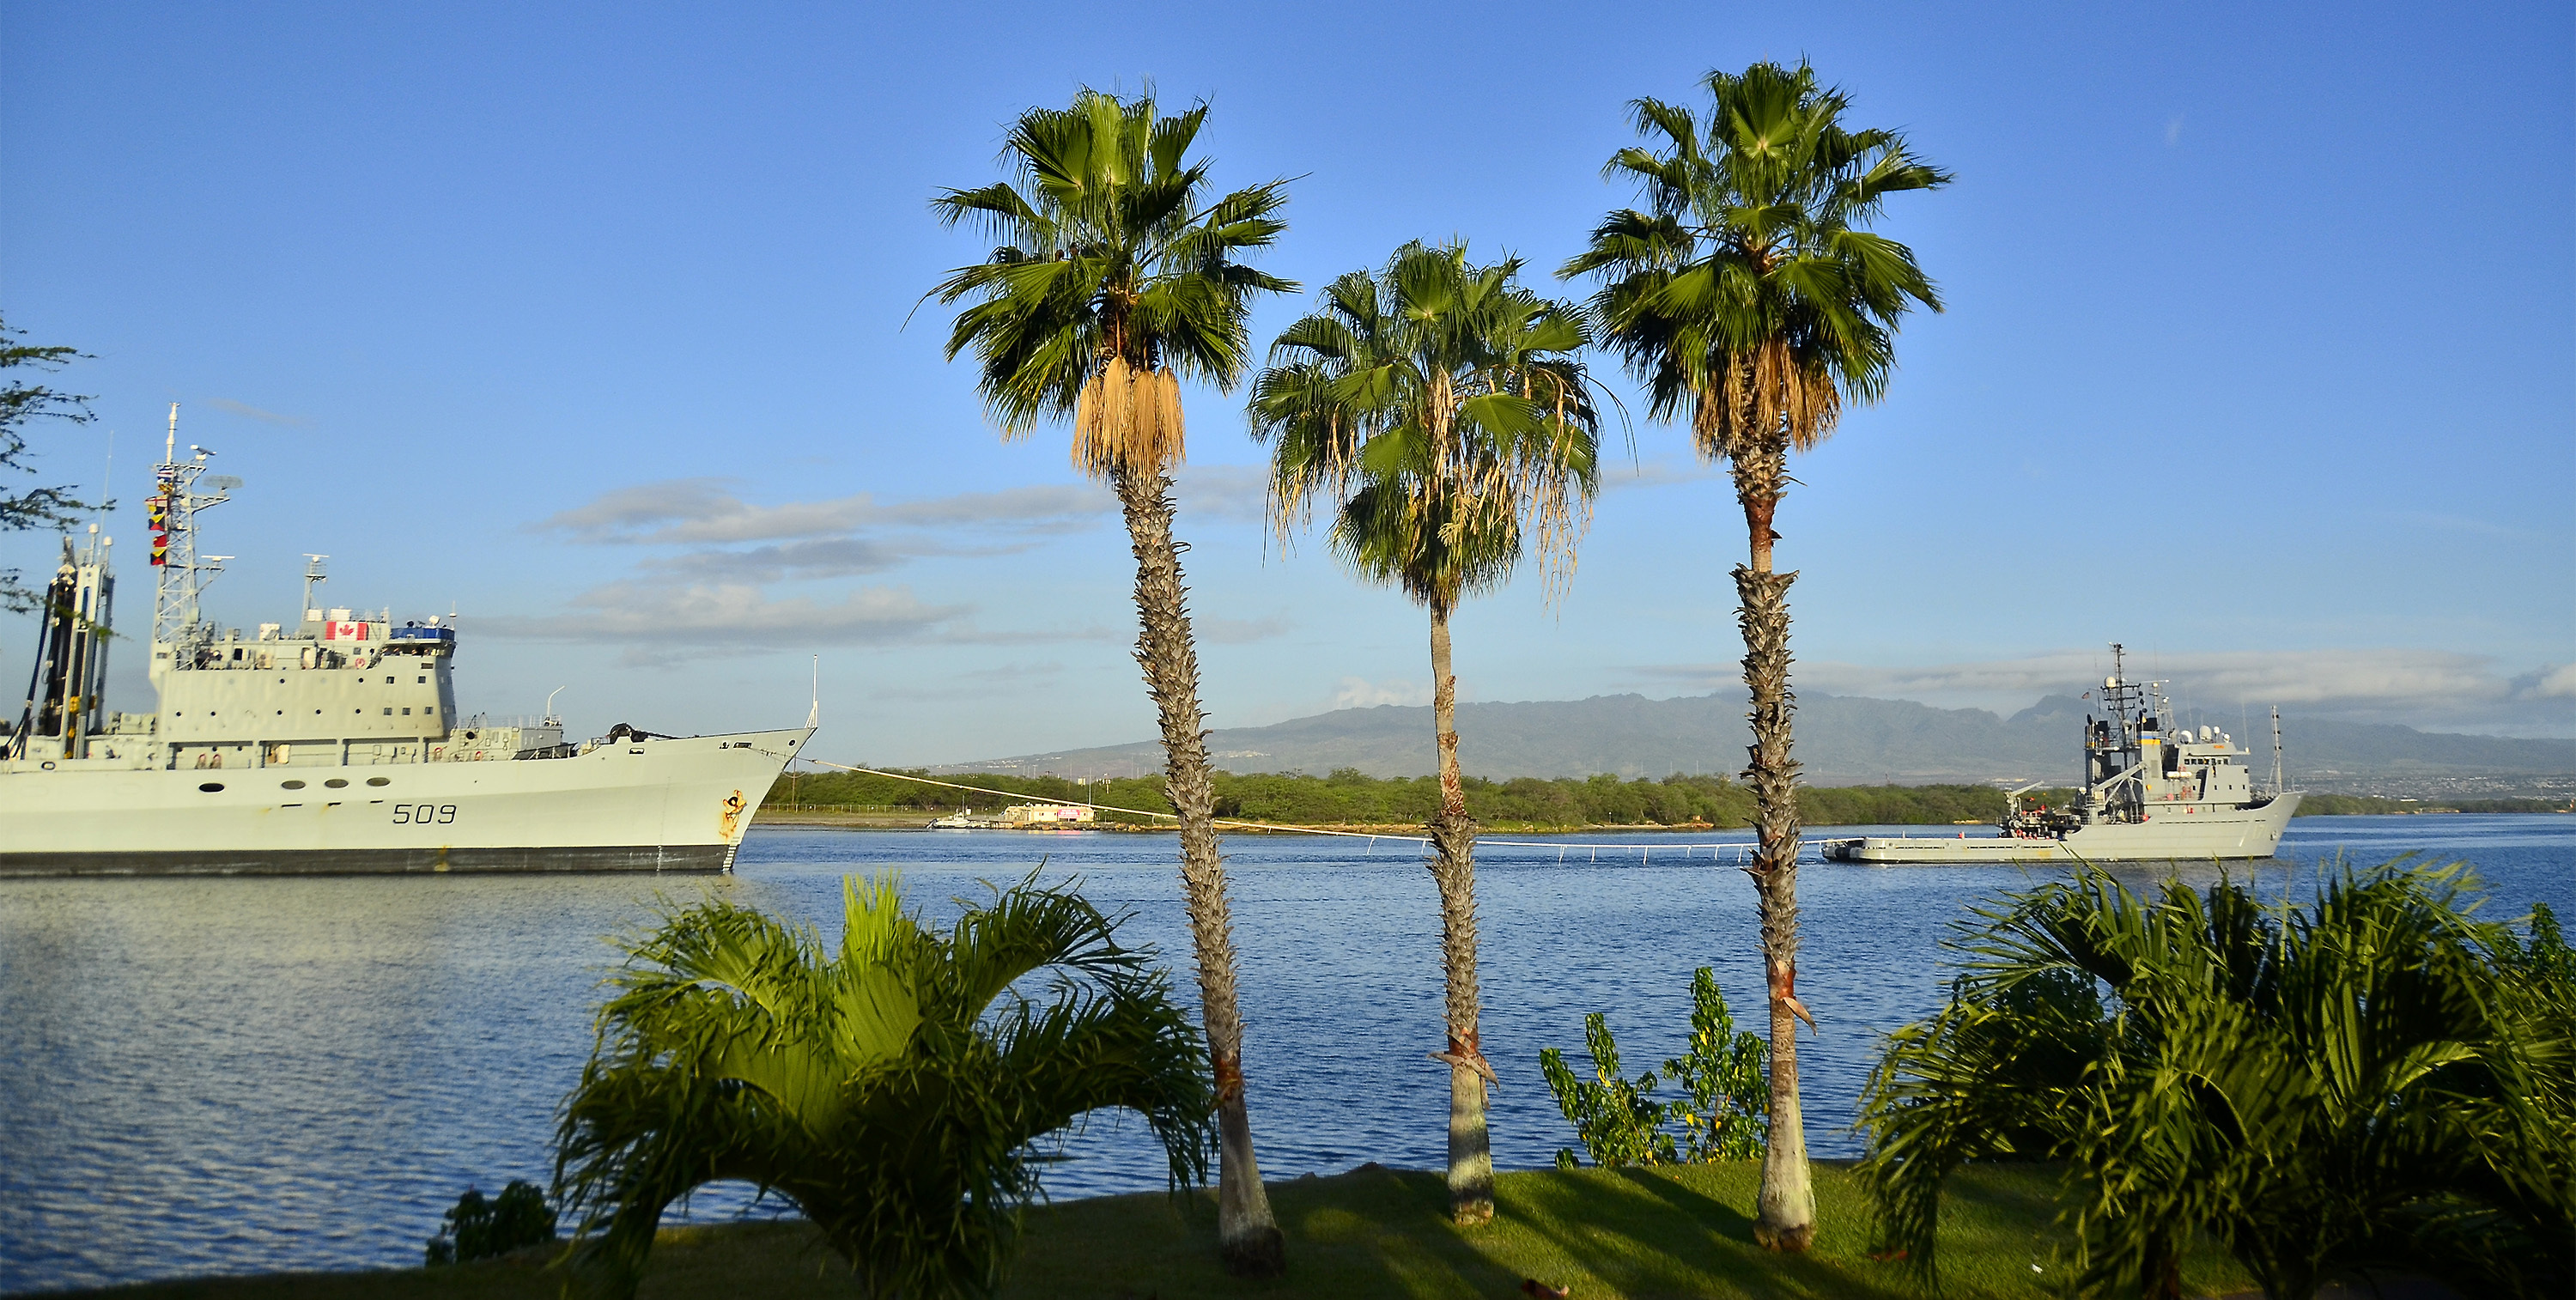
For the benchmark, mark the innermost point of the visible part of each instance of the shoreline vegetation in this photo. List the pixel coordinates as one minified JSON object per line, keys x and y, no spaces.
{"x":1600,"y":1234}
{"x":1350,"y":800}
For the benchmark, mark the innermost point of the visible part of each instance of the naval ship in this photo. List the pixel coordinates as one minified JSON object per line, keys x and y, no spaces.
{"x":2150,"y":792}
{"x":332,"y":746}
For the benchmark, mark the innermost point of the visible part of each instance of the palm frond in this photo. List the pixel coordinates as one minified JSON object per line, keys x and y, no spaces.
{"x":1748,"y":293}
{"x":2324,"y":1089}
{"x":1118,"y":278}
{"x":891,"y":1091}
{"x":1446,"y":407}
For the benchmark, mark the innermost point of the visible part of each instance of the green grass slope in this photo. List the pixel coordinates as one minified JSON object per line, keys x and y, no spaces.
{"x":1604,"y":1234}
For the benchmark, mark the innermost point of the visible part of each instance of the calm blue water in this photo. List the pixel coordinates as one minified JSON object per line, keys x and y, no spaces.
{"x":206,"y":1076}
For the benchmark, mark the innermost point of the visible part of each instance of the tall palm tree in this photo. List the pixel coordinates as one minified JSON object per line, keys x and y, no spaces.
{"x":1442,"y":410}
{"x":1749,"y":297}
{"x":2371,"y":1081}
{"x":890,"y":1090}
{"x":1114,"y":278}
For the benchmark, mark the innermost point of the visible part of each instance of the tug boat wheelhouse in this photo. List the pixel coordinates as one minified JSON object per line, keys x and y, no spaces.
{"x":333,"y":746}
{"x":2150,"y":792}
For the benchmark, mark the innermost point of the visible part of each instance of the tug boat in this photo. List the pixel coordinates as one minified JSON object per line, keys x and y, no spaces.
{"x":2150,"y":793}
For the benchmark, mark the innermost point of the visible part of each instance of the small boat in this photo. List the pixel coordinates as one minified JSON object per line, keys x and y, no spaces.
{"x":2151,"y":793}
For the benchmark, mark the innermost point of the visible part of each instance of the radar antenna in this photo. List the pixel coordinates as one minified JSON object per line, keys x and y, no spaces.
{"x":313,"y":573}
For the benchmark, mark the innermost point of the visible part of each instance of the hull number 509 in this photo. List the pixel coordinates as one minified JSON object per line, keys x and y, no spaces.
{"x":424,"y":814}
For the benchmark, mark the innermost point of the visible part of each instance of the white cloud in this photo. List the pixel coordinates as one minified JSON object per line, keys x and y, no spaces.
{"x":2432,"y":689}
{"x":2558,"y":683}
{"x":249,"y":411}
{"x":663,"y":623}
{"x":703,"y":511}
{"x":1239,"y":631}
{"x":1361,"y":693}
{"x":1233,"y":493}
{"x":1657,"y":473}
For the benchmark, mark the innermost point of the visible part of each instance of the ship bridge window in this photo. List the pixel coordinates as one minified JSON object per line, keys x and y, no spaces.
{"x":291,"y":785}
{"x":380,"y":780}
{"x":336,"y":782}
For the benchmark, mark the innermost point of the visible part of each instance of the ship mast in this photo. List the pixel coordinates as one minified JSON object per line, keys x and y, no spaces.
{"x":177,"y":624}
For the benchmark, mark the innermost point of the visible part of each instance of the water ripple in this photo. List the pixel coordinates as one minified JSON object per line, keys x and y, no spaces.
{"x":221,"y":1076}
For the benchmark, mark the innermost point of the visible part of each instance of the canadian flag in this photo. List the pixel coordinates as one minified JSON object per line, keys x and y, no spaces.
{"x":344,"y":632}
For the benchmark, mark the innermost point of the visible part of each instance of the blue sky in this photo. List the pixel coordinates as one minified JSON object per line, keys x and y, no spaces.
{"x":591,"y":324}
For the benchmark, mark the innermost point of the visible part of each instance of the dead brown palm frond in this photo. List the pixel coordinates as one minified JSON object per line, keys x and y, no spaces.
{"x":1128,"y":419}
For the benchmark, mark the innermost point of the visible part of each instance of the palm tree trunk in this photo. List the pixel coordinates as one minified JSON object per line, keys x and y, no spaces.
{"x":1785,"y":1208}
{"x":1453,"y":869}
{"x":1247,"y":1235}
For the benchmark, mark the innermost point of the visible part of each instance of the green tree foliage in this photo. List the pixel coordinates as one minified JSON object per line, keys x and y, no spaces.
{"x":891,"y":1090}
{"x":1723,"y":1113}
{"x":1349,"y":797}
{"x":1616,"y":1118}
{"x":2351,"y":805}
{"x":23,"y":402}
{"x":1725,"y":1107}
{"x":481,"y":1227}
{"x":2367,"y":1082}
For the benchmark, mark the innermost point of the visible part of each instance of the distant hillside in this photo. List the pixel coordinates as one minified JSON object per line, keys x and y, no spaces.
{"x":1842,"y":740}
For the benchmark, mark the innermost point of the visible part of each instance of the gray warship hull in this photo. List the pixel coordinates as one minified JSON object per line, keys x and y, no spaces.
{"x":663,"y":804}
{"x":2149,"y":792}
{"x":330,"y":745}
{"x":2183,"y":836}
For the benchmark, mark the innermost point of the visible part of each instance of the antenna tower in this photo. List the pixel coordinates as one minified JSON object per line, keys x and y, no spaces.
{"x":172,"y":509}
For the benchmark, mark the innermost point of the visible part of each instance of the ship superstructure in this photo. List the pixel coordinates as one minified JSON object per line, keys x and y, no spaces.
{"x":329,"y":744}
{"x":2150,"y":791}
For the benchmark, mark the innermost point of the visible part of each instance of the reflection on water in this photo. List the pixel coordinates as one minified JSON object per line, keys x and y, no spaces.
{"x":232,"y":1075}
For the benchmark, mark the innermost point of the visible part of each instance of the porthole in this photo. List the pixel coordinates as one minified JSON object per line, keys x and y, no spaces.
{"x":380,"y":780}
{"x":335,"y":783}
{"x":291,"y":785}
{"x":212,"y":787}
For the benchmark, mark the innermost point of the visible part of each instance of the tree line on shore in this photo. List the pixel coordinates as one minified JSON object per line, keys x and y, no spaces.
{"x":1349,"y":797}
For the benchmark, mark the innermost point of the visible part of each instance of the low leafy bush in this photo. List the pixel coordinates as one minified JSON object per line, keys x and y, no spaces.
{"x":480,"y":1228}
{"x":2372,"y":1082}
{"x":1724,"y":1113}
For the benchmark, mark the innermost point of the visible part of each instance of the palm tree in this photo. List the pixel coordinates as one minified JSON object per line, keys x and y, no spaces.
{"x":1114,"y":277}
{"x":1749,"y":297}
{"x":890,"y":1090}
{"x":1441,"y":408}
{"x":2370,"y":1082}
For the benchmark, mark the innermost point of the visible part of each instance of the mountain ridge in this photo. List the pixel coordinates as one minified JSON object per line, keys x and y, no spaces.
{"x":1841,"y":740}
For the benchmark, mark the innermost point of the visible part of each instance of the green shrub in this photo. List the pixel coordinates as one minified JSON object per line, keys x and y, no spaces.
{"x":1724,"y":1113}
{"x":482,"y":1229}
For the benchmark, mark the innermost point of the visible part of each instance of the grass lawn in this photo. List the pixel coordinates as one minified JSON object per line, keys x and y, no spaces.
{"x":1675,"y":1232}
